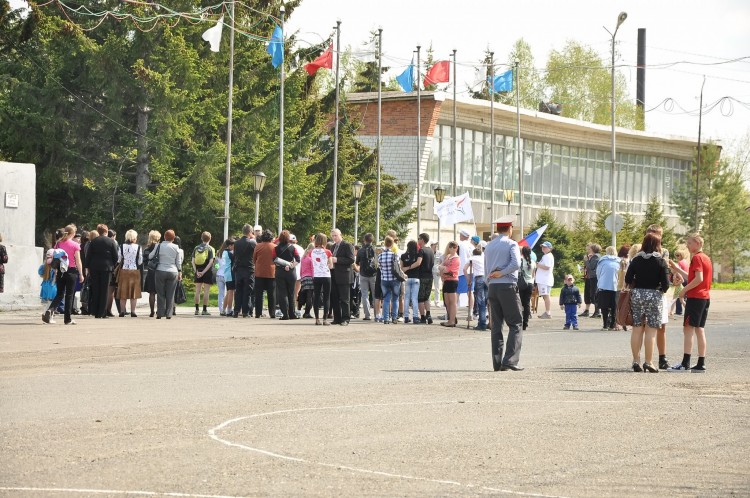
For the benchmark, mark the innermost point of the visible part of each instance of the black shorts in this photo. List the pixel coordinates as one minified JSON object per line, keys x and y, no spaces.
{"x":207,"y":277}
{"x":425,"y":290}
{"x":450,"y":286}
{"x":696,"y":312}
{"x":230,"y":285}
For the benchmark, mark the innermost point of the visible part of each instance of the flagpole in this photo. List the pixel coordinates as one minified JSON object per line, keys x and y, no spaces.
{"x":492,"y":137}
{"x":281,"y":128}
{"x":453,"y":144}
{"x":377,"y":146}
{"x":518,"y":151}
{"x":419,"y":139}
{"x":228,"y":172}
{"x":336,"y":124}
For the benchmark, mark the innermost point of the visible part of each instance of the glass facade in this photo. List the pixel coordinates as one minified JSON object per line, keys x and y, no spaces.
{"x":555,"y":176}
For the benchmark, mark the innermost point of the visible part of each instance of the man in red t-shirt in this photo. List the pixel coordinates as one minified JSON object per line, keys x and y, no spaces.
{"x":697,"y":291}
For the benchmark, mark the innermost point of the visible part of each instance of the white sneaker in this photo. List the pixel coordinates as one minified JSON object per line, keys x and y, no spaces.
{"x":545,"y":316}
{"x":279,"y":314}
{"x":72,"y":322}
{"x":679,"y":367}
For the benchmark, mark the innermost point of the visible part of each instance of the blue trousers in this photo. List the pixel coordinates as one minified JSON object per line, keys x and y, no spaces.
{"x":571,"y":318}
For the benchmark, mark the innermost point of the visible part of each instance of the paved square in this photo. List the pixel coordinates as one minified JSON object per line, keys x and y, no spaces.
{"x":210,"y":406}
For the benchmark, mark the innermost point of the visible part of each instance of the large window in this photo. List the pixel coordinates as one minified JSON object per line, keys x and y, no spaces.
{"x":556,"y":176}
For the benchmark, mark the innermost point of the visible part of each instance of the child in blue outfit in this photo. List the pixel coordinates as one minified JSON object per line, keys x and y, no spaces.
{"x":570,"y":301}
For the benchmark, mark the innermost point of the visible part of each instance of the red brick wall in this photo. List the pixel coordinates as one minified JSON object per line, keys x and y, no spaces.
{"x":399,"y":117}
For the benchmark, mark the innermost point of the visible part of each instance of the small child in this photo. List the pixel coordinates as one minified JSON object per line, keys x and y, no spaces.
{"x":570,"y":301}
{"x":677,"y":285}
{"x":49,"y":286}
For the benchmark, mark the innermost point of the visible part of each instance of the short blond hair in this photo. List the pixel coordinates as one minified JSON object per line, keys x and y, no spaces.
{"x":206,"y":237}
{"x":634,"y":249}
{"x":610,"y":251}
{"x":154,"y":237}
{"x":570,"y":277}
{"x":695,"y":237}
{"x":131,"y":236}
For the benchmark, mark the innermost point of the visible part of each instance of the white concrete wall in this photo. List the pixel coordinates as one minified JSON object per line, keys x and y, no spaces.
{"x":17,"y":226}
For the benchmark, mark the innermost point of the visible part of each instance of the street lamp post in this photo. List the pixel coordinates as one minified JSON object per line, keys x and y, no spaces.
{"x":613,"y":186}
{"x":357,"y":188}
{"x":439,"y":196}
{"x":259,"y":181}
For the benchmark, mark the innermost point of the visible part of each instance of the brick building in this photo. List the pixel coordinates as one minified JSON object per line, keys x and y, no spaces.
{"x":566,"y":163}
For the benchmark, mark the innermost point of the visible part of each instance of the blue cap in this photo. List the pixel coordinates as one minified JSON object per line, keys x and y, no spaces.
{"x":547,"y":244}
{"x":475,"y":239}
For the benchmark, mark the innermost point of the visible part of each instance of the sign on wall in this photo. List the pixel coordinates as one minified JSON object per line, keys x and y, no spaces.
{"x":11,"y":200}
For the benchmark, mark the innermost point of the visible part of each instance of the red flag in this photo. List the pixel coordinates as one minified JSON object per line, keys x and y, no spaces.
{"x":440,"y":72}
{"x":324,"y":60}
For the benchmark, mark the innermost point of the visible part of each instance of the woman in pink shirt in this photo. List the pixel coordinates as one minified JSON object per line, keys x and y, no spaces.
{"x":449,"y":273}
{"x":306,"y":281}
{"x":66,"y":281}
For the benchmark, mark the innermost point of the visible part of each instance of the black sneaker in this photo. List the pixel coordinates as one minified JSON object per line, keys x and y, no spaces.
{"x":596,"y":315}
{"x":429,"y":320}
{"x":698,"y":368}
{"x":585,"y":313}
{"x":664,"y":364}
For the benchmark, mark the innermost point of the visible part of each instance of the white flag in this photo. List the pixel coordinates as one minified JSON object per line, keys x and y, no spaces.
{"x":213,"y":35}
{"x":454,"y":210}
{"x":368,"y":52}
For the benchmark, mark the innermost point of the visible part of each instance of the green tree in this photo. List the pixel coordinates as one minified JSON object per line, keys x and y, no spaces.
{"x":578,"y":79}
{"x":630,"y":233}
{"x":559,"y":236}
{"x":602,"y":236}
{"x":530,"y":88}
{"x":654,"y":215}
{"x":581,"y":234}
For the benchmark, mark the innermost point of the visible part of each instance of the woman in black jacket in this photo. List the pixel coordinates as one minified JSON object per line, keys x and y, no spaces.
{"x":647,"y":277}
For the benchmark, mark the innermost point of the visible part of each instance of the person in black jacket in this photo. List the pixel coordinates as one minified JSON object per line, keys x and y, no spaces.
{"x":101,"y":258}
{"x":647,"y":275}
{"x":341,"y":277}
{"x":244,"y":271}
{"x":368,"y":269}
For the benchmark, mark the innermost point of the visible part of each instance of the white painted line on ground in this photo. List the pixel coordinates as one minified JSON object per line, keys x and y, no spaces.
{"x":212,"y":434}
{"x":111,"y":492}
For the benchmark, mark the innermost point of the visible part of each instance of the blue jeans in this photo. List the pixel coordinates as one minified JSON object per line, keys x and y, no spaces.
{"x":480,"y":294}
{"x":570,"y":315}
{"x":391,"y":290}
{"x":412,"y":296}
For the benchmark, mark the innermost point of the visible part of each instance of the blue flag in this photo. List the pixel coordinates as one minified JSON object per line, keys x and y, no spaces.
{"x":406,"y":79}
{"x":276,"y":47}
{"x":503,"y":82}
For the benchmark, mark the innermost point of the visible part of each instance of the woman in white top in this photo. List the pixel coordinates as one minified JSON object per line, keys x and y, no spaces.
{"x":130,"y":258}
{"x":321,"y":262}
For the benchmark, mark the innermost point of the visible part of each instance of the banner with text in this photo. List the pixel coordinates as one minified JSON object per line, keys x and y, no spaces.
{"x":454,"y":210}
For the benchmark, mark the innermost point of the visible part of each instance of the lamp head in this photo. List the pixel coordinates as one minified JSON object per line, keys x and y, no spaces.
{"x":439,"y":194}
{"x":621,"y":18}
{"x":357,"y":188}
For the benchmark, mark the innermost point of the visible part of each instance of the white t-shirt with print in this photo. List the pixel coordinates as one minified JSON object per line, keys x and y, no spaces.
{"x":320,"y":257}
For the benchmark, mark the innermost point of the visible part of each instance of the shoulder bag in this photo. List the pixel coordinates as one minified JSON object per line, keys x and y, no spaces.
{"x":624,"y":310}
{"x":153,"y":262}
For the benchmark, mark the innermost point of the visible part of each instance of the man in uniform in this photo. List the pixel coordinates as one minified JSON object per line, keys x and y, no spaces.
{"x":502,"y":259}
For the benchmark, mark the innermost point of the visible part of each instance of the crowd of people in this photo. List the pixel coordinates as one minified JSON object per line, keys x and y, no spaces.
{"x":336,"y":280}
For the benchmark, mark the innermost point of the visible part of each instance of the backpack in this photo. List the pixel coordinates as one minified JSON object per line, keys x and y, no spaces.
{"x":371,"y":264}
{"x":201,"y":254}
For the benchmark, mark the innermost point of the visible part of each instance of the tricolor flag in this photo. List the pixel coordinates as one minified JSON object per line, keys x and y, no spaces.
{"x":276,"y":47}
{"x":532,"y":238}
{"x":325,"y":60}
{"x":213,"y":35}
{"x":503,"y":82}
{"x":406,"y":79}
{"x":440,"y":72}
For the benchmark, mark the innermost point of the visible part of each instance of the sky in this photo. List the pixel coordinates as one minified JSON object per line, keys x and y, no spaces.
{"x":688,"y":30}
{"x":699,"y":35}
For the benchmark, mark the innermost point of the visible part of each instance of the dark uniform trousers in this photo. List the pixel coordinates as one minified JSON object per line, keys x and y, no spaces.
{"x":340,"y":298}
{"x":505,"y":306}
{"x":243,"y":290}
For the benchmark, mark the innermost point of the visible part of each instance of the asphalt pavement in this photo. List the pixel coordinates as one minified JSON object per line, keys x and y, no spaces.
{"x":207,"y":406}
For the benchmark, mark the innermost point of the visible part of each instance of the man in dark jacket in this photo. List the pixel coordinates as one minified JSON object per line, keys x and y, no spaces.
{"x":100,"y":261}
{"x":341,"y":277}
{"x":244,"y":271}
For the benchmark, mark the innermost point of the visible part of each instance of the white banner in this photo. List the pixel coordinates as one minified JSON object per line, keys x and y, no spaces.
{"x":454,"y":210}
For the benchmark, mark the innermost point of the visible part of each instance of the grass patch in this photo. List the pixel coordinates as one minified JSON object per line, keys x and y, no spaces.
{"x":740,"y":286}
